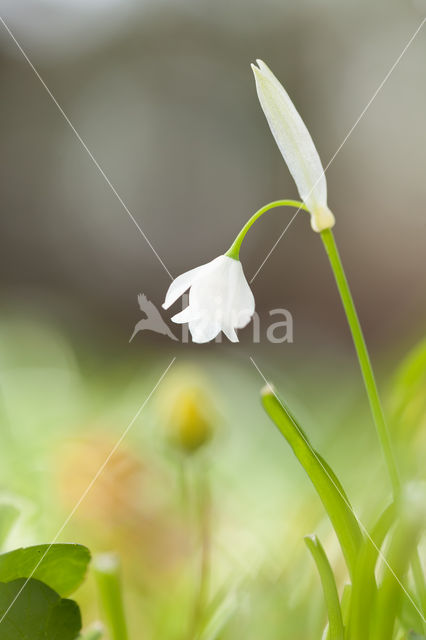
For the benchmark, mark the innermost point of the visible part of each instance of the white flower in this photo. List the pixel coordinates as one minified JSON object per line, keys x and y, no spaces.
{"x":295,"y":144}
{"x":220,"y":299}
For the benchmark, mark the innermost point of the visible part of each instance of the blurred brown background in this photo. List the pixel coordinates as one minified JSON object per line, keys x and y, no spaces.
{"x":162,"y":94}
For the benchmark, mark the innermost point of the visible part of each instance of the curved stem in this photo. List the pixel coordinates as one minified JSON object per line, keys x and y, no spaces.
{"x":234,"y":250}
{"x":363,"y":357}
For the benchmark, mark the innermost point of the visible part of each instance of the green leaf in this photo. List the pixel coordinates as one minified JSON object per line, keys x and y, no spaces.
{"x":61,"y":566}
{"x":364,"y":588}
{"x":322,"y":477}
{"x":36,"y":612}
{"x":403,"y":544}
{"x":345,"y":604}
{"x":335,"y":621}
{"x":409,"y":615}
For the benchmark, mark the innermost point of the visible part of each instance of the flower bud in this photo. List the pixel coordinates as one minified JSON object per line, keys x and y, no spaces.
{"x":296,"y":146}
{"x":188,"y":426}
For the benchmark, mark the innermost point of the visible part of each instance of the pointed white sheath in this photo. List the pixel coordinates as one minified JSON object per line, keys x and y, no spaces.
{"x":295,"y":144}
{"x":220,"y":299}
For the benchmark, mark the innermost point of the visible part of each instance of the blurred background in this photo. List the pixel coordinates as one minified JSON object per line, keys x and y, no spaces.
{"x":162,"y":94}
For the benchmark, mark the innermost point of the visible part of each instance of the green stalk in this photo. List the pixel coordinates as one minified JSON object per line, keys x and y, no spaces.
{"x":362,"y":353}
{"x":355,"y":327}
{"x":106,"y":567}
{"x":234,"y":250}
{"x":371,"y":387}
{"x":203,"y":515}
{"x":363,"y":357}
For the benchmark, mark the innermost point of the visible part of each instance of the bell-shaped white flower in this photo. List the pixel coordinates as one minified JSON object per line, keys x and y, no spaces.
{"x":295,"y":144}
{"x":220,"y":299}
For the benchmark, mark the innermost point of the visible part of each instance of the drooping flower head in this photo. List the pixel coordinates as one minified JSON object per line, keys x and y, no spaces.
{"x":295,"y":144}
{"x":220,"y":299}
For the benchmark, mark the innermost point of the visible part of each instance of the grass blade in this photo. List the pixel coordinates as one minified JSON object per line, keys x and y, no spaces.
{"x":335,"y":621}
{"x":391,"y":591}
{"x":364,"y":588}
{"x":345,"y":603}
{"x":322,"y":477}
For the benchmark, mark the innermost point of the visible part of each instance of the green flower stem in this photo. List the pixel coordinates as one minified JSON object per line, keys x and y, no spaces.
{"x":363,"y":357}
{"x":371,"y":388}
{"x":234,"y":250}
{"x":106,"y":568}
{"x":204,"y":526}
{"x":355,"y":327}
{"x":362,"y":353}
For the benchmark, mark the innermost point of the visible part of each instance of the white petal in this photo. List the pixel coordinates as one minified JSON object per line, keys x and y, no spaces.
{"x":239,"y":304}
{"x":209,"y":291}
{"x":244,"y":302}
{"x":203,"y":330}
{"x":292,"y":138}
{"x":187,"y":314}
{"x":184,"y":281}
{"x":230,"y":333}
{"x":179,"y":286}
{"x":219,"y":298}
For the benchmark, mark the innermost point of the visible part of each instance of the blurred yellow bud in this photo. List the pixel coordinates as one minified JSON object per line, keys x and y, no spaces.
{"x":188,"y":426}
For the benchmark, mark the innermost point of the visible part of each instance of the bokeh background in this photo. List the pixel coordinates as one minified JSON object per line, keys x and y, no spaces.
{"x":162,"y":94}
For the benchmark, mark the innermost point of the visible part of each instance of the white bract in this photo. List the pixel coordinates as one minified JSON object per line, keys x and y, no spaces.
{"x":220,"y":299}
{"x":295,"y":144}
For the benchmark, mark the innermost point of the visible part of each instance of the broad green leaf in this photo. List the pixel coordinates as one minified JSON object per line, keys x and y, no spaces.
{"x":335,"y":621}
{"x":364,"y":583}
{"x":61,"y":566}
{"x":33,"y":611}
{"x":322,"y":477}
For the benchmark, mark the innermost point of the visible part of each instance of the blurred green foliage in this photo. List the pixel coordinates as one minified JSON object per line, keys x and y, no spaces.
{"x":63,"y":406}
